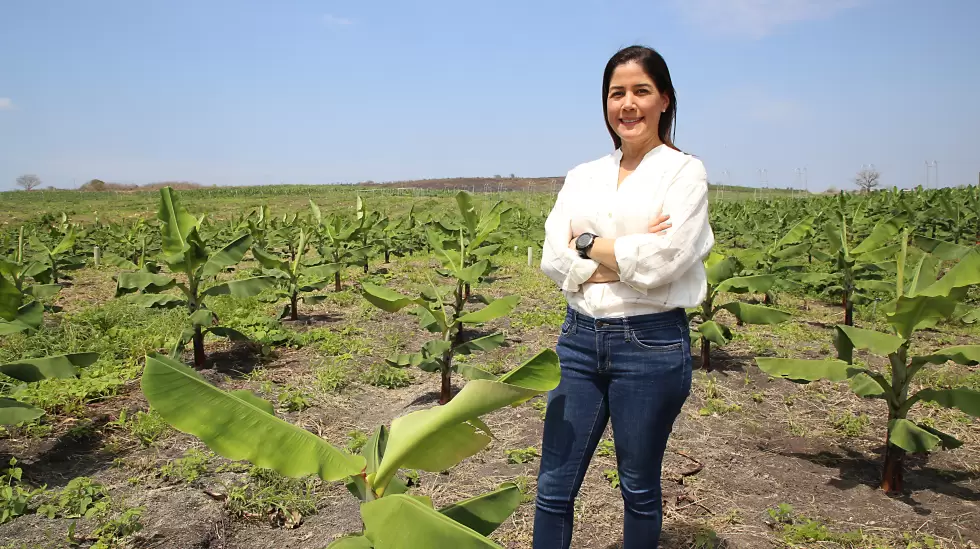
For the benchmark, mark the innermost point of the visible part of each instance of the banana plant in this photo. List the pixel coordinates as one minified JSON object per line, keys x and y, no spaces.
{"x":441,"y":308}
{"x":297,"y":276}
{"x":239,"y":425}
{"x":17,"y":314}
{"x":186,"y":255}
{"x":338,"y":242}
{"x":368,"y":230}
{"x":722,"y":274}
{"x":857,"y":270}
{"x":57,"y":259}
{"x":135,"y":244}
{"x":922,"y":305}
{"x":33,"y":370}
{"x":394,"y":236}
{"x":779,"y":258}
{"x":479,"y":235}
{"x":22,"y":304}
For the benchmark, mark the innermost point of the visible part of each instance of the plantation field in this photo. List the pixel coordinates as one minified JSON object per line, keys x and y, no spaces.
{"x":756,"y":461}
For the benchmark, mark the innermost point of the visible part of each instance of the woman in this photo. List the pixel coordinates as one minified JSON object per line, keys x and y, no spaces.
{"x":628,"y":274}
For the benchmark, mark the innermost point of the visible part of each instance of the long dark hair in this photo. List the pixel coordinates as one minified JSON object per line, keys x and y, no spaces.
{"x":656,"y":68}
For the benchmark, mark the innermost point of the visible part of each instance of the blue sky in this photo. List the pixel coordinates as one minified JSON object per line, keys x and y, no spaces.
{"x":248,"y":92}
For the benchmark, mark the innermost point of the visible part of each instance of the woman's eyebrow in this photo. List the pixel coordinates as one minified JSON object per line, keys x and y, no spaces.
{"x":635,"y":86}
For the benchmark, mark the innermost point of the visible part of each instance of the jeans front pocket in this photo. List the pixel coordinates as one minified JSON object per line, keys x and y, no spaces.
{"x":659,"y":339}
{"x":568,"y":326}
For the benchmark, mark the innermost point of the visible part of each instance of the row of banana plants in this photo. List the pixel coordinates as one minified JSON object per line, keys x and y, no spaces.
{"x":922,"y":297}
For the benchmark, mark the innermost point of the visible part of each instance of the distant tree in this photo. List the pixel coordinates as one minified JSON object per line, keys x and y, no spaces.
{"x":93,"y":185}
{"x":512,"y":176}
{"x":28,"y":181}
{"x":867,"y":179}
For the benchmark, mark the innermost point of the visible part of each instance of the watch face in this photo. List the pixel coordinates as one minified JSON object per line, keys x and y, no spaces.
{"x":583,"y":240}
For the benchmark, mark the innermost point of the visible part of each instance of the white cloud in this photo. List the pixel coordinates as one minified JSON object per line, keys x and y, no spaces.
{"x":757,"y":18}
{"x":333,"y":20}
{"x":6,"y":104}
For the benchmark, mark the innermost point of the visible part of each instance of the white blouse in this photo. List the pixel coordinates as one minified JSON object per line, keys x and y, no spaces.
{"x":657,"y":272}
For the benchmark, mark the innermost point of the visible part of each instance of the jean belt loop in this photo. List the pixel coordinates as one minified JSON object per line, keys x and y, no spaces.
{"x":626,"y":328}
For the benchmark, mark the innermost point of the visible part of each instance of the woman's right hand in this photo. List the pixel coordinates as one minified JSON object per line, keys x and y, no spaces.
{"x":660,"y":223}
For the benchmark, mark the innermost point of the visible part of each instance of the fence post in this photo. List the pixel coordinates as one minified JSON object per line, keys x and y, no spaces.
{"x":530,"y":255}
{"x":97,"y":255}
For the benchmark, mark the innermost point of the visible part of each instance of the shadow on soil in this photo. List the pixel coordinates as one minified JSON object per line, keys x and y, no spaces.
{"x":431,"y":397}
{"x":63,"y":458}
{"x":236,"y":361}
{"x":683,"y":535}
{"x":855,"y":468}
{"x":722,"y":361}
{"x":313,"y":320}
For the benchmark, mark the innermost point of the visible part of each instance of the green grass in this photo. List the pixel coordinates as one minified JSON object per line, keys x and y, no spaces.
{"x":266,"y":493}
{"x":186,"y":469}
{"x":521,"y":455}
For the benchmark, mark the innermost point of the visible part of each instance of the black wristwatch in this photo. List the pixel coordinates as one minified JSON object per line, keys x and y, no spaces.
{"x":584,"y":244}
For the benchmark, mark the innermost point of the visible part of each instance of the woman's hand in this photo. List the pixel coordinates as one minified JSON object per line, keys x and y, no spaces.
{"x":659,"y":223}
{"x":603,"y":275}
{"x":603,"y":250}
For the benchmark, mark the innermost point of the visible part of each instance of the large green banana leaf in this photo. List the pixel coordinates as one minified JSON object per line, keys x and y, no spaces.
{"x":484,"y":513}
{"x":877,"y":342}
{"x":59,"y":367}
{"x":756,"y":284}
{"x":227,"y":256}
{"x":13,"y":412}
{"x":916,"y":438}
{"x":403,"y":522}
{"x":883,"y":232}
{"x":439,"y":437}
{"x":720,"y":268}
{"x":236,"y":427}
{"x":127,"y":283}
{"x":756,"y":314}
{"x":496,"y":309}
{"x":961,"y":398}
{"x":808,"y":370}
{"x":968,"y":355}
{"x":245,"y":287}
{"x":719,"y":334}
{"x":386,"y":299}
{"x":177,"y":225}
{"x":28,"y":318}
{"x":10,"y":299}
{"x":943,"y":250}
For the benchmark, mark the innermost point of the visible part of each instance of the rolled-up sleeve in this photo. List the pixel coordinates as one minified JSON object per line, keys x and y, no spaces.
{"x":558,"y":261}
{"x":647,"y":261}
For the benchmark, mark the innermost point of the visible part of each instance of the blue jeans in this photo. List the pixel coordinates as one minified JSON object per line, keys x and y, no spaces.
{"x":635,"y":370}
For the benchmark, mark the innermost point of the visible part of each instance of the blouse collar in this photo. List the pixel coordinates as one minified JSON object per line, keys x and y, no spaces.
{"x":618,"y":153}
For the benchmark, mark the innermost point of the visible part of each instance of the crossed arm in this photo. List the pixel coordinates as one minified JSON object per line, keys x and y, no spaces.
{"x":603,"y":251}
{"x":643,"y":260}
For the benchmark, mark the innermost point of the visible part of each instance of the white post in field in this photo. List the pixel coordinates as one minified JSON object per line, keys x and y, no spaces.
{"x":530,"y":255}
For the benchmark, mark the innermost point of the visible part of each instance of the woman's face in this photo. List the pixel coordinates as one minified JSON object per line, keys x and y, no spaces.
{"x":634,"y":104}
